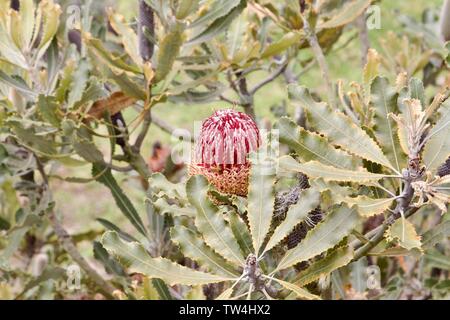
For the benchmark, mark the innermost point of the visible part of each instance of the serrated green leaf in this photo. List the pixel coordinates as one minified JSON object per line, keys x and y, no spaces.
{"x":241,"y":233}
{"x":334,"y":260}
{"x":337,"y":225}
{"x":383,"y":102}
{"x":48,"y":108}
{"x":88,"y":151}
{"x":111,"y":265}
{"x":163,"y":207}
{"x":299,"y":292}
{"x":210,"y":222}
{"x":194,"y":248}
{"x":261,"y":199}
{"x":338,"y":127}
{"x":309,"y":199}
{"x":122,"y":201}
{"x":50,"y":22}
{"x":79,"y":82}
{"x":128,"y":36}
{"x":312,"y":146}
{"x":404,"y":233}
{"x":29,"y":138}
{"x":314,"y":169}
{"x":95,"y":91}
{"x":367,"y":206}
{"x":135,"y":257}
{"x":161,"y":186}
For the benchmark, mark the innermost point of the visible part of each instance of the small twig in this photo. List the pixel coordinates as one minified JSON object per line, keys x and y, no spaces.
{"x":144,"y":130}
{"x":269,"y":79}
{"x":363,"y":37}
{"x":320,"y":57}
{"x":68,"y":244}
{"x":245,"y":96}
{"x":233,"y":102}
{"x":163,"y":125}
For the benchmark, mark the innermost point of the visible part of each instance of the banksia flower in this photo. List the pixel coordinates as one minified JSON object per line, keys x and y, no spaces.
{"x":222,"y":148}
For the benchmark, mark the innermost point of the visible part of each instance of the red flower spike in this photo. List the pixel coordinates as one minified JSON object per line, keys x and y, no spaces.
{"x":226,"y":138}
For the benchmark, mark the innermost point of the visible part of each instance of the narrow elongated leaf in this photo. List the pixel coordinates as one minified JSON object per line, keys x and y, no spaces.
{"x":367,"y":206}
{"x":185,"y":8}
{"x":115,"y":63}
{"x":314,"y":169}
{"x":338,"y":127}
{"x":194,"y":248}
{"x":17,"y":83}
{"x":437,"y":148}
{"x":122,"y":201}
{"x":312,"y":146}
{"x":438,"y":260}
{"x":436,"y":235}
{"x":337,"y":225}
{"x":134,"y":256}
{"x":217,"y":10}
{"x":241,"y":233}
{"x":261,"y":198}
{"x":384,"y":101}
{"x":299,"y":292}
{"x":27,"y":14}
{"x":111,"y":226}
{"x":219,"y":25}
{"x":10,"y":52}
{"x":336,"y":259}
{"x":309,"y":199}
{"x":210,"y":222}
{"x":348,"y":13}
{"x":169,"y":48}
{"x":128,"y":36}
{"x":50,"y":22}
{"x":111,"y":265}
{"x":277,"y":47}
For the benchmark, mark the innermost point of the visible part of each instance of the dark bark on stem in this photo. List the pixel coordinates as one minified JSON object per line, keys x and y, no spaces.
{"x":145,"y":21}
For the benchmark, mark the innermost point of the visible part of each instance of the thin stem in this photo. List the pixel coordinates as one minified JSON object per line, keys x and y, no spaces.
{"x":363,"y":37}
{"x":320,"y":57}
{"x":269,"y":79}
{"x":67,"y":243}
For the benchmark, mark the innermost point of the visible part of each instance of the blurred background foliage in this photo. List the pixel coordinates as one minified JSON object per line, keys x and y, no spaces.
{"x":105,"y":57}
